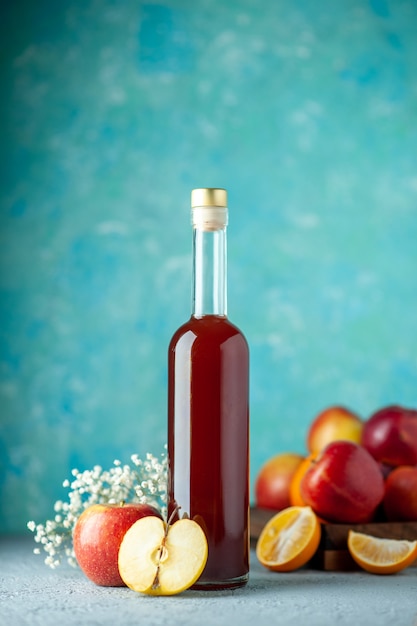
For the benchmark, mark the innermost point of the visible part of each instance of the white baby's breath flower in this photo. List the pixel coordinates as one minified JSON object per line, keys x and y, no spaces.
{"x":144,"y":482}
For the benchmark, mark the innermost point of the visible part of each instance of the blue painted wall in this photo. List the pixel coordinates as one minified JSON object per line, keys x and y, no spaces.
{"x":111,"y":112}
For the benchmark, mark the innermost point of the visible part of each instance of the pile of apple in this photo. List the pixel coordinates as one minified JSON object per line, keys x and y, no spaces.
{"x":356,"y":470}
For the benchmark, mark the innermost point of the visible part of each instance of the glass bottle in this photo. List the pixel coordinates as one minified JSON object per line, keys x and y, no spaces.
{"x":208,"y":406}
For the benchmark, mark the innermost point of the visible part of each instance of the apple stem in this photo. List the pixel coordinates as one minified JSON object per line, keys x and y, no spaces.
{"x":171,"y":517}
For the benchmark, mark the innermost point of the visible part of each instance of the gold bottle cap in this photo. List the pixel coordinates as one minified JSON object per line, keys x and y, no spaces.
{"x":208,"y":196}
{"x":209,"y":208}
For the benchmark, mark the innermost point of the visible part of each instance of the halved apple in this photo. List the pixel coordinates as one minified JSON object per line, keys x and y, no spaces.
{"x":161,"y":559}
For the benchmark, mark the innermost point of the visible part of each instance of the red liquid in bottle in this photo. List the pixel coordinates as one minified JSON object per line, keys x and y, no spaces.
{"x":208,"y":442}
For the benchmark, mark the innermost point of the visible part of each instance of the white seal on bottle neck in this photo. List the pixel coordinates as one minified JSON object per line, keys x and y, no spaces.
{"x":209,"y":208}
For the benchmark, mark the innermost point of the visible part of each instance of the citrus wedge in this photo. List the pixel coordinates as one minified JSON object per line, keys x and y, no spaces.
{"x":381,"y":556}
{"x":289,"y":539}
{"x":160,"y":559}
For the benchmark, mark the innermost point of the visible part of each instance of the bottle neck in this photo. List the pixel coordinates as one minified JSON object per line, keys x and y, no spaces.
{"x":209,"y":272}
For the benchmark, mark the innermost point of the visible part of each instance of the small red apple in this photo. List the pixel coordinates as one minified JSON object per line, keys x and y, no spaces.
{"x":272,"y":486}
{"x":400,"y":499}
{"x":332,"y":424}
{"x":344,"y":484}
{"x":98,"y":533}
{"x":390,"y":435}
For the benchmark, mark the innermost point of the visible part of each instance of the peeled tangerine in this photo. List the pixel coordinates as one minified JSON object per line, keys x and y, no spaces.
{"x":381,"y":556}
{"x":160,"y":559}
{"x":289,"y":539}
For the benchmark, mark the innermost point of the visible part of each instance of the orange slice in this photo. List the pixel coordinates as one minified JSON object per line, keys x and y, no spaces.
{"x":381,"y":556}
{"x":289,"y":539}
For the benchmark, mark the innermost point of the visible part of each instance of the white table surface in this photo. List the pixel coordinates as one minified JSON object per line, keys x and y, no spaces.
{"x":32,"y":594}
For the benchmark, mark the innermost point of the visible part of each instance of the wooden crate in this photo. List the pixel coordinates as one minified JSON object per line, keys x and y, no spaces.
{"x":332,"y":554}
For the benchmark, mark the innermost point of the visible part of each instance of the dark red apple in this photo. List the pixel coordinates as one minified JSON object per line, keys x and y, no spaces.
{"x":400,"y":499}
{"x":97,"y":536}
{"x":344,"y":484}
{"x":390,"y":435}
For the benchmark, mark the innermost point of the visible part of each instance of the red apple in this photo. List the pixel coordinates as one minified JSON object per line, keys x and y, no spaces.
{"x":400,"y":499}
{"x":390,"y":435}
{"x":344,"y":484}
{"x":272,"y":486}
{"x":333,"y":424}
{"x":97,"y":536}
